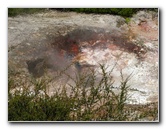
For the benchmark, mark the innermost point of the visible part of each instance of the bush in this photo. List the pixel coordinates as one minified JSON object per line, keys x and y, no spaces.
{"x":20,"y":11}
{"x":125,"y":12}
{"x":89,"y":100}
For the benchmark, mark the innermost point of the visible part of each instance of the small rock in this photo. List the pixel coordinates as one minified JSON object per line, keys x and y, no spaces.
{"x":12,"y":28}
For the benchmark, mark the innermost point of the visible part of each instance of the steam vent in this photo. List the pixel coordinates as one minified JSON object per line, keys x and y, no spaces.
{"x":53,"y":45}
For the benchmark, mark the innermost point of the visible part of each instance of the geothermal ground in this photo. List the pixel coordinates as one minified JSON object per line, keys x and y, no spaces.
{"x":41,"y":44}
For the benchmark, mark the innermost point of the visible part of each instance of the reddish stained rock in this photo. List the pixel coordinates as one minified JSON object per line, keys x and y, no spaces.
{"x":112,"y":47}
{"x":74,"y":49}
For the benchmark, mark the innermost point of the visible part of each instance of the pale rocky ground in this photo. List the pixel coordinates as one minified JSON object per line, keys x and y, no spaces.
{"x":30,"y":37}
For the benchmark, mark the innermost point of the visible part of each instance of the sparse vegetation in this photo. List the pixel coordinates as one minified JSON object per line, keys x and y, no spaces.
{"x":89,"y":99}
{"x":127,"y":20}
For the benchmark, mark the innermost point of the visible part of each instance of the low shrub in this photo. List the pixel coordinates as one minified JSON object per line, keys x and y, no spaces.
{"x":20,"y":11}
{"x":125,"y":12}
{"x":90,"y":99}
